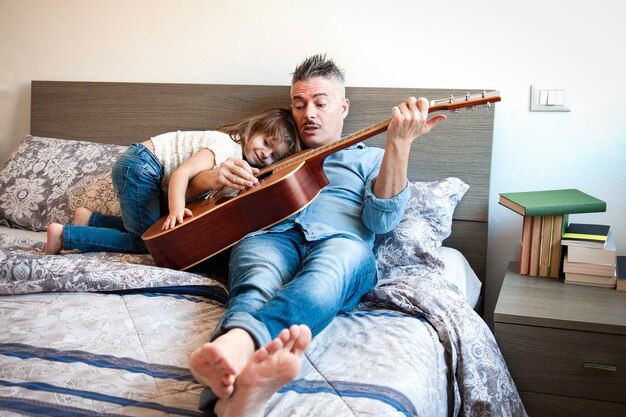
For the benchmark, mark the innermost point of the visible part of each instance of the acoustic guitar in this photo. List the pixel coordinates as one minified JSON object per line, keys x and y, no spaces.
{"x":284,"y":188}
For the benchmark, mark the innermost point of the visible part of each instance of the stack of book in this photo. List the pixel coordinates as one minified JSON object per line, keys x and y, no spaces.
{"x":545,"y":219}
{"x":540,"y":249}
{"x":591,"y":257}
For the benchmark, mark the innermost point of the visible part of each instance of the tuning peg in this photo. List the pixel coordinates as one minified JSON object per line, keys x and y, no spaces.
{"x":451,"y":100}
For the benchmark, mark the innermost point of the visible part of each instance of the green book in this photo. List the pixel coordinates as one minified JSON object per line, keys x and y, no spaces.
{"x":550,"y":202}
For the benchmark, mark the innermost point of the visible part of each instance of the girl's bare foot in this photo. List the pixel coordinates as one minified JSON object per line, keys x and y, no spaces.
{"x":54,"y":239}
{"x":269,"y":368}
{"x":217,"y":364}
{"x":82,"y":216}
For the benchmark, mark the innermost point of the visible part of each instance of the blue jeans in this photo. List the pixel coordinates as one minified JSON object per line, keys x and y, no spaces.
{"x":280,"y":279}
{"x":137,"y":176}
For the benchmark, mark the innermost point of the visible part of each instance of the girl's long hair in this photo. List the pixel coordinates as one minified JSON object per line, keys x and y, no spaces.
{"x":276,"y":123}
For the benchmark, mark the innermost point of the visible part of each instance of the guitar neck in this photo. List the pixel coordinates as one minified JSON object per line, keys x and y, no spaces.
{"x":373,"y":130}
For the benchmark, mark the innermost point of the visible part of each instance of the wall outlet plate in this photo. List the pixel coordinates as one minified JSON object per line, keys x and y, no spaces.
{"x":539,"y":99}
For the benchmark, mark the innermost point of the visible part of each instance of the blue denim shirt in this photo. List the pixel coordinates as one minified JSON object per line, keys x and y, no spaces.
{"x":348,"y":206}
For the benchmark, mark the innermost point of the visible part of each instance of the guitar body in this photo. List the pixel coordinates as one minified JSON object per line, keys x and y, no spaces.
{"x":290,"y":185}
{"x":219,"y":223}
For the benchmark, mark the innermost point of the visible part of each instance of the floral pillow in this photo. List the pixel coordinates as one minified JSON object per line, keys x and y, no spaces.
{"x":426,"y":223}
{"x":46,"y":179}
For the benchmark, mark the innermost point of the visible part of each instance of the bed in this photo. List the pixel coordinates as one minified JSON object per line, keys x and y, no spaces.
{"x":106,"y":334}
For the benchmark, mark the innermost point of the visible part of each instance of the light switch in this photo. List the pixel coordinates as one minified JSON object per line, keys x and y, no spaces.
{"x":559,"y":97}
{"x":547,"y":99}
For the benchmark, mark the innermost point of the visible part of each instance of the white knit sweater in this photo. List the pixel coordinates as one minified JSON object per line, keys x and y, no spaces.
{"x":174,"y":148}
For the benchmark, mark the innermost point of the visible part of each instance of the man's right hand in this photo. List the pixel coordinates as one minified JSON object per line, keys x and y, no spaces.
{"x":236,"y":174}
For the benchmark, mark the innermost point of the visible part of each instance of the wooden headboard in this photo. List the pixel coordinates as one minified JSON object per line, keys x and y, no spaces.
{"x":124,"y":113}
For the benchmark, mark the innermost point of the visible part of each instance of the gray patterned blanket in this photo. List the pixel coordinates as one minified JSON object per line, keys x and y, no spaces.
{"x":24,"y":269}
{"x":478,"y":376}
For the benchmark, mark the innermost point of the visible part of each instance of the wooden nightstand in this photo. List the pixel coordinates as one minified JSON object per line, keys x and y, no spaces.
{"x":565,"y":345}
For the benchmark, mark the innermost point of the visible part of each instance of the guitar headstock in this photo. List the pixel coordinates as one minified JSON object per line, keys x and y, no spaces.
{"x":469,"y":101}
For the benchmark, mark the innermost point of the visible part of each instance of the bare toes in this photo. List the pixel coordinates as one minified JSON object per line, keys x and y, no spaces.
{"x":303,"y":341}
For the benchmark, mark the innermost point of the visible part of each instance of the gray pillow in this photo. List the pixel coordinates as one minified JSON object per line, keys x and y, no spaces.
{"x":45,"y":179}
{"x":426,"y":223}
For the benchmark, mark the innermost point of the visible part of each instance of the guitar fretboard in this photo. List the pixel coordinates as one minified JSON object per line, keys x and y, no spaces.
{"x":344,"y":142}
{"x":469,"y":101}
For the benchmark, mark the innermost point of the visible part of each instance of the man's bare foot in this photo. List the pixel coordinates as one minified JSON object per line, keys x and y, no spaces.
{"x":218,"y":363}
{"x":54,"y":239}
{"x":268,"y":369}
{"x":82,"y":216}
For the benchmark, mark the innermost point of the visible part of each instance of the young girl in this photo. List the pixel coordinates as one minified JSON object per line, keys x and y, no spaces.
{"x":163,"y":165}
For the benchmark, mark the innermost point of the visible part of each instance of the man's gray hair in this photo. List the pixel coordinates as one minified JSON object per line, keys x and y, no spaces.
{"x":317,"y":66}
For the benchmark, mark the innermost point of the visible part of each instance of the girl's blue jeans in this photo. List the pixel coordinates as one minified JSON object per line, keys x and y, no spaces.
{"x":136,"y":176}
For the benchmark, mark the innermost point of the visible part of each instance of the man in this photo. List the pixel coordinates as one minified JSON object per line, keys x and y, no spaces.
{"x":289,"y":282}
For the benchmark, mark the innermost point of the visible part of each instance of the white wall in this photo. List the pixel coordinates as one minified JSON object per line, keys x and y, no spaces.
{"x":454,"y":44}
